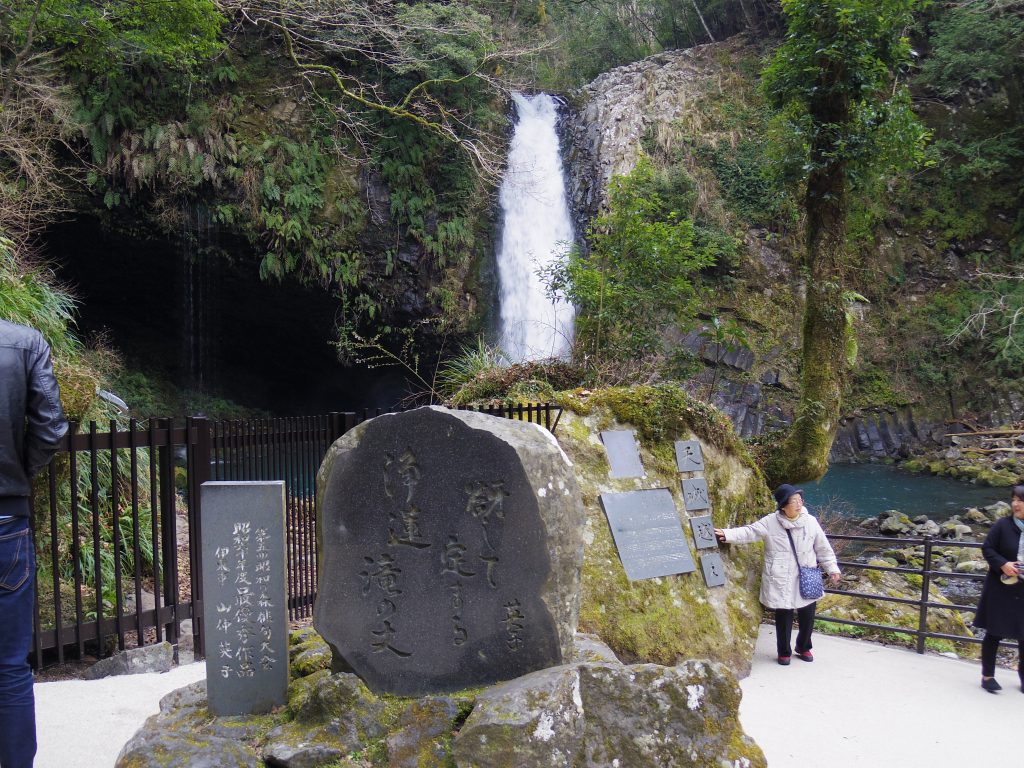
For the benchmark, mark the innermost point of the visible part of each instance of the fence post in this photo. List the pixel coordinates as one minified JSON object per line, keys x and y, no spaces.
{"x":335,"y":426}
{"x":169,"y":526}
{"x":926,"y":580}
{"x":197,"y":441}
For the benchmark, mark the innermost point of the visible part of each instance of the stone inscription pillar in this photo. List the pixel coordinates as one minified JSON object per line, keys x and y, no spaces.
{"x":245,"y":616}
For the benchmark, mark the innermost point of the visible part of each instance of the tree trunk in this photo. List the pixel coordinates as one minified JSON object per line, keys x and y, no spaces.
{"x":703,"y":23}
{"x":749,"y":15}
{"x":804,"y":453}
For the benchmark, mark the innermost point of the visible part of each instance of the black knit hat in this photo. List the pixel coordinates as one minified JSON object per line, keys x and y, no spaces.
{"x":784,"y":492}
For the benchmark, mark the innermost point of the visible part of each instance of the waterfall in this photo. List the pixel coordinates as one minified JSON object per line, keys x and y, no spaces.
{"x":536,"y":228}
{"x":197,"y":299}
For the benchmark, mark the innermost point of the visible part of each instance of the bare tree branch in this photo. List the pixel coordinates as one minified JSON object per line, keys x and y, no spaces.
{"x":359,"y":46}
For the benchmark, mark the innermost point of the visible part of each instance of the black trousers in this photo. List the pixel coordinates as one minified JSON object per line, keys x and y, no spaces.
{"x":989,"y":646}
{"x":784,"y":628}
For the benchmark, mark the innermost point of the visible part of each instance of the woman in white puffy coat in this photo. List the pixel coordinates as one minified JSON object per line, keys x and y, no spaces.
{"x":780,"y":580}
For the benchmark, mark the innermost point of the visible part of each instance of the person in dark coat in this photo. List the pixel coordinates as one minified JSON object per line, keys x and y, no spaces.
{"x":1001,"y":607}
{"x":32,"y":425}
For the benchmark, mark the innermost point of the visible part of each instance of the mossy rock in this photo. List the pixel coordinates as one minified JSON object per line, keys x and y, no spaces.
{"x":666,"y":620}
{"x":641,"y":716}
{"x":308,"y":653}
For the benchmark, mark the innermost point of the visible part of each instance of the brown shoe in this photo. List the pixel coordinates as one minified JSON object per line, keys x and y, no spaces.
{"x":784,"y":660}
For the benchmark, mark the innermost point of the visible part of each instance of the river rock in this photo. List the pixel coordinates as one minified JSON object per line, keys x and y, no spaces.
{"x":451,"y":546}
{"x":928,"y":528}
{"x":971,"y":566}
{"x":609,"y":715}
{"x":976,"y":516}
{"x":954,"y":529}
{"x":894,"y":523}
{"x":997,"y":510}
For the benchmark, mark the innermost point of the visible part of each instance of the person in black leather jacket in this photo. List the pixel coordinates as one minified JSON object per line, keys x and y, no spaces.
{"x":32,"y":424}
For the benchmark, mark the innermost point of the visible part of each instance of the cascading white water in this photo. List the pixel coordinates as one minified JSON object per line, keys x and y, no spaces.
{"x":536,"y":229}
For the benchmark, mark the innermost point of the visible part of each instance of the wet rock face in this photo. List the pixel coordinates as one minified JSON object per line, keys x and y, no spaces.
{"x":451,"y":548}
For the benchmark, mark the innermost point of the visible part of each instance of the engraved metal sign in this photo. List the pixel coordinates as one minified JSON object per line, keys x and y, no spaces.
{"x":433,"y":558}
{"x":695,"y":495}
{"x":689,"y":456}
{"x":703,"y":532}
{"x":647,"y":533}
{"x":245,"y":617}
{"x":623,"y":453}
{"x":714,"y":569}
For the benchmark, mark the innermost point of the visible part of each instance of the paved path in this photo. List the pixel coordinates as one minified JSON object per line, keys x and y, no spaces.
{"x":84,"y":723}
{"x":858,"y":704}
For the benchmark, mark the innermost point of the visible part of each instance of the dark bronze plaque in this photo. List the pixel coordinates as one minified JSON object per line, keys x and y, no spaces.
{"x":695,"y":495}
{"x":714,"y":569}
{"x":623,"y":454}
{"x":689,"y":456}
{"x":703,"y":532}
{"x":647,"y":533}
{"x":433,"y":557}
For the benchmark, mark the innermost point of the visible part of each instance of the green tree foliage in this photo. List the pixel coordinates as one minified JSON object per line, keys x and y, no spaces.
{"x":29,"y":298}
{"x":69,"y":65}
{"x":975,"y":54}
{"x":597,"y":35}
{"x":639,"y":276}
{"x":103,"y":37}
{"x":833,"y":82}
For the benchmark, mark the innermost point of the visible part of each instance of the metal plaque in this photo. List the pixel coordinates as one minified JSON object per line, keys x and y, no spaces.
{"x":647,"y":533}
{"x":714,"y":569}
{"x":689,"y":456}
{"x":623,"y":453}
{"x":245,"y":616}
{"x":703,"y":532}
{"x":695,"y":495}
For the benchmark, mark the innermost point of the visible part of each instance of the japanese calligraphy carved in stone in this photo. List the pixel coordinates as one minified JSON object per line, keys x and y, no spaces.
{"x":450,"y":550}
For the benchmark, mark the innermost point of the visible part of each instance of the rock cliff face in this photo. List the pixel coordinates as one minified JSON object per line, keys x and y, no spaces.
{"x":615,"y":115}
{"x":661,"y":104}
{"x":615,"y":112}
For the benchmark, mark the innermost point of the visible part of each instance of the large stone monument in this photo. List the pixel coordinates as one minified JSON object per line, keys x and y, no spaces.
{"x":450,"y":551}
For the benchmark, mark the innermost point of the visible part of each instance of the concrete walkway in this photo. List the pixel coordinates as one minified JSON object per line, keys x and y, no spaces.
{"x":858,"y":704}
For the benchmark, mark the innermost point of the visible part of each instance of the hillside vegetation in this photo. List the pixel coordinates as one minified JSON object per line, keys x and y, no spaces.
{"x":357,"y":145}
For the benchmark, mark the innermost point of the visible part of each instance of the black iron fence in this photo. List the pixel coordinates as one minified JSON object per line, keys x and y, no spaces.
{"x":926,"y":572}
{"x":117,"y":521}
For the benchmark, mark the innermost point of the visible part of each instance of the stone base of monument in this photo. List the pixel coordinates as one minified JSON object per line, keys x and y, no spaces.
{"x":592,"y":712}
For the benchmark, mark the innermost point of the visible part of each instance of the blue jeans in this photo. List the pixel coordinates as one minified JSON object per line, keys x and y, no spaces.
{"x":17,"y":586}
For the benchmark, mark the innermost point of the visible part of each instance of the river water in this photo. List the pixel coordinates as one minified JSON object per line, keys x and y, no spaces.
{"x":865,"y":490}
{"x":536,"y":228}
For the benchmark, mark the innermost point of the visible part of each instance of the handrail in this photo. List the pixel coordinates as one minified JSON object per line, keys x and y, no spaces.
{"x":923,"y":601}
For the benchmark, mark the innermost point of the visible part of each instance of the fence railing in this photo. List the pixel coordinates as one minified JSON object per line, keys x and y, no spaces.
{"x":926,"y":572}
{"x":117,"y":521}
